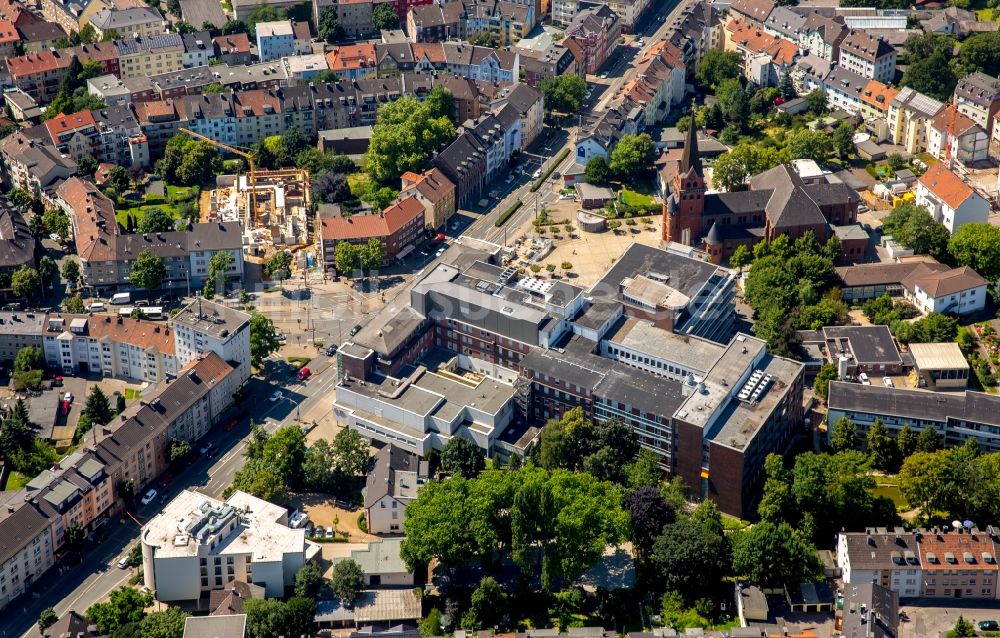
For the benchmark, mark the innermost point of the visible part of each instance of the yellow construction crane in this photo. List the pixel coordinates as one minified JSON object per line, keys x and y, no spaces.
{"x":243,"y":154}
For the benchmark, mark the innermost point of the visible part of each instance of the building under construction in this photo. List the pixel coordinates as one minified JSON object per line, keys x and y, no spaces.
{"x":274,"y":211}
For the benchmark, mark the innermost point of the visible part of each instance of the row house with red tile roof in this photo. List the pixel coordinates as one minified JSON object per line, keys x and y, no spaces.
{"x":39,"y":74}
{"x":459,"y":58}
{"x":397,"y":228}
{"x":658,"y":83}
{"x":8,"y":37}
{"x":353,"y":61}
{"x":111,"y":135}
{"x":434,"y":191}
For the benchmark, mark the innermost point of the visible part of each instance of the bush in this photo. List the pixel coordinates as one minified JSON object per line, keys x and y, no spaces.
{"x":504,"y":216}
{"x":362,"y":523}
{"x":545,"y":175}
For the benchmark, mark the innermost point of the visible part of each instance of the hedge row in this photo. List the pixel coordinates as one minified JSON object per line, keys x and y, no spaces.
{"x":504,"y":216}
{"x":541,"y":180}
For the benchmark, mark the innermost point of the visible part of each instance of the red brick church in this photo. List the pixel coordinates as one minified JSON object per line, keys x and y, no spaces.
{"x":776,"y":202}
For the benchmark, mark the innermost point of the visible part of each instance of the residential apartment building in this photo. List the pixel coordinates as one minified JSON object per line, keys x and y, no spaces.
{"x":596,"y":32}
{"x":952,"y":136}
{"x":390,"y":486}
{"x":875,"y":100}
{"x":925,"y":563}
{"x":957,"y":291}
{"x":354,"y":15}
{"x":868,"y":56}
{"x":204,"y":326}
{"x":39,"y":74}
{"x":233,"y":49}
{"x":434,"y":191}
{"x":397,"y":228}
{"x":545,"y":60}
{"x":71,"y":15}
{"x":951,"y":201}
{"x":844,"y":89}
{"x":27,"y":552}
{"x":435,"y":22}
{"x":34,"y":167}
{"x":18,"y":247}
{"x":145,"y":21}
{"x":111,"y":135}
{"x":822,"y":36}
{"x":765,"y":57}
{"x":275,"y":40}
{"x":353,"y":61}
{"x":103,"y":53}
{"x":40,"y":35}
{"x":909,"y":115}
{"x":198,"y":544}
{"x":150,"y":55}
{"x":977,"y":96}
{"x":530,"y":107}
{"x":754,"y":12}
{"x":480,"y":150}
{"x":506,"y":22}
{"x":106,"y":255}
{"x":658,"y":83}
{"x":199,"y":49}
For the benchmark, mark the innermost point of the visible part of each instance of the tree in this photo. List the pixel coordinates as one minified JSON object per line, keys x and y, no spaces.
{"x":309,"y":581}
{"x":978,"y":247}
{"x":56,"y":221}
{"x":168,"y":623}
{"x":882,"y":448}
{"x":733,"y":102}
{"x":86,"y":166}
{"x":384,"y":18}
{"x":462,"y":457}
{"x":809,"y":144}
{"x":188,"y":162}
{"x":147,"y":270}
{"x":379,"y":196}
{"x":155,"y":220}
{"x":430,"y":625}
{"x":648,"y":514}
{"x":843,"y":140}
{"x":347,"y":580}
{"x":485,"y":605}
{"x":71,"y":271}
{"x":262,"y":13}
{"x":46,"y":619}
{"x":439,"y":100}
{"x":913,"y":226}
{"x":119,"y":180}
{"x":372,"y":254}
{"x":929,"y":70}
{"x":717,"y":66}
{"x":775,"y":554}
{"x":906,"y":441}
{"x":732,"y":170}
{"x":821,"y":384}
{"x":929,"y":440}
{"x":263,"y":338}
{"x":741,"y":257}
{"x":350,"y":453}
{"x":632,"y":155}
{"x":285,"y":452}
{"x":597,"y":171}
{"x":817,"y":100}
{"x":563,"y":93}
{"x":179,"y":450}
{"x":75,"y":536}
{"x":844,"y":435}
{"x":25,"y":282}
{"x":329,"y":27}
{"x":934,"y":328}
{"x":218,"y":268}
{"x":963,"y":628}
{"x":346,"y":257}
{"x":689,"y":558}
{"x":269,"y":618}
{"x":318,"y":471}
{"x":331,"y":187}
{"x":125,"y":605}
{"x":48,"y":272}
{"x":405,"y":134}
{"x":19,"y":197}
{"x":27,"y":359}
{"x":97,"y":408}
{"x":278,"y":265}
{"x":786,"y":89}
{"x":925,"y":481}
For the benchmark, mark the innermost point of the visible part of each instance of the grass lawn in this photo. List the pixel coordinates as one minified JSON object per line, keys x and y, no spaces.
{"x":892,"y":492}
{"x":15,"y":481}
{"x":298,"y":362}
{"x":131,"y":394}
{"x":633,"y":198}
{"x":121,"y":214}
{"x":179,"y":193}
{"x":928,"y":159}
{"x":733,"y":524}
{"x":358,"y":183}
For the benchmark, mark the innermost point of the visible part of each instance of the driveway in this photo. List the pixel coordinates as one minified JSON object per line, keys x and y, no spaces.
{"x":934,"y":617}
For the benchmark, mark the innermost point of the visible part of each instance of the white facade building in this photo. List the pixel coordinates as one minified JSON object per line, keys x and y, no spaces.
{"x":205,"y":326}
{"x":949,"y":199}
{"x":197,"y":544}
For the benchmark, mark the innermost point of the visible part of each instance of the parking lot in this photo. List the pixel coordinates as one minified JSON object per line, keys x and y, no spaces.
{"x":935,"y":617}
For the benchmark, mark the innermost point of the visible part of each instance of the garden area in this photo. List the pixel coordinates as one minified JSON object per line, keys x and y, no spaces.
{"x":174,"y":202}
{"x":981,"y":346}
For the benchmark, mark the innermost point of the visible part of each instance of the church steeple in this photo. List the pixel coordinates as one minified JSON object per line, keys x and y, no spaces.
{"x":691,"y":159}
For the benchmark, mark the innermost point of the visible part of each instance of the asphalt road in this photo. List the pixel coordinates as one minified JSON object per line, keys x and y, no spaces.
{"x":91,"y":581}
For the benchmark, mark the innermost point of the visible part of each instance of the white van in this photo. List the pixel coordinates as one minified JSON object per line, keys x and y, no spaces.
{"x":97,"y":306}
{"x":120,"y":298}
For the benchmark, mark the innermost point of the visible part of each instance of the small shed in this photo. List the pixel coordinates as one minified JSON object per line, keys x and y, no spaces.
{"x":751,"y":603}
{"x":793,"y":106}
{"x":940,"y":365}
{"x":810,"y":597}
{"x":593,"y":196}
{"x":870,"y":151}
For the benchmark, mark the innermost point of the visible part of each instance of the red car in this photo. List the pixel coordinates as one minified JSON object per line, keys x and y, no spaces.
{"x":304,"y":374}
{"x":65,"y":408}
{"x":165,"y":481}
{"x":231,"y":425}
{"x":57,"y":381}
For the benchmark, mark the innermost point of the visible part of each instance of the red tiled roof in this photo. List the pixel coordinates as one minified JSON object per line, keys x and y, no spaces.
{"x":235,"y":43}
{"x":384,"y":224}
{"x":93,"y":215}
{"x":878,"y":95}
{"x":946,"y":185}
{"x":756,"y":40}
{"x":943,"y":120}
{"x":7,"y":32}
{"x":433,"y":185}
{"x":351,"y":56}
{"x":65,"y":123}
{"x":37,"y":63}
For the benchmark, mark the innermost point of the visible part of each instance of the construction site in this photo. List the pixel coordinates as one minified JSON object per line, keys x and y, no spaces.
{"x":273,"y":207}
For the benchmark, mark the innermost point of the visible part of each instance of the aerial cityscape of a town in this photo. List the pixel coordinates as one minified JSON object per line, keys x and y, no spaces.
{"x":500,"y":318}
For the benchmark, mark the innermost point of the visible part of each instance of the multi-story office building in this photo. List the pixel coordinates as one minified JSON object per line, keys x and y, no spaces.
{"x":198,"y":544}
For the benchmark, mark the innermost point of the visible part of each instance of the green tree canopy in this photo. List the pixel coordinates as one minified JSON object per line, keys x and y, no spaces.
{"x":776,"y":554}
{"x":347,"y":580}
{"x":168,"y":623}
{"x":125,"y":605}
{"x":690,"y":559}
{"x":844,"y":435}
{"x":597,"y":171}
{"x":263,"y":338}
{"x":330,"y":27}
{"x":808,"y":144}
{"x":563,"y":93}
{"x":929,"y":70}
{"x":913,"y":226}
{"x":155,"y":220}
{"x":405,"y":134}
{"x":633,"y":155}
{"x":733,"y":169}
{"x":717,"y":66}
{"x":147,"y":270}
{"x":462,"y":457}
{"x":821,"y":384}
{"x":384,"y":17}
{"x":978,"y":247}
{"x":26,"y":282}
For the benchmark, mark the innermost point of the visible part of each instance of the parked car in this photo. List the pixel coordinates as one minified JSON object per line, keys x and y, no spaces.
{"x":277,"y":396}
{"x":65,"y":408}
{"x":309,"y":529}
{"x":123,"y":563}
{"x":68,"y":397}
{"x":536,"y":174}
{"x":989,"y":625}
{"x":142,"y":303}
{"x":97,"y":306}
{"x":297,"y":519}
{"x":330,"y":351}
{"x":204,"y":448}
{"x":567,"y":196}
{"x":356,"y":329}
{"x":231,"y":425}
{"x":329,"y":531}
{"x":55,"y":237}
{"x":57,"y":381}
{"x":148,"y":498}
{"x":863,"y":378}
{"x":887,"y":382}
